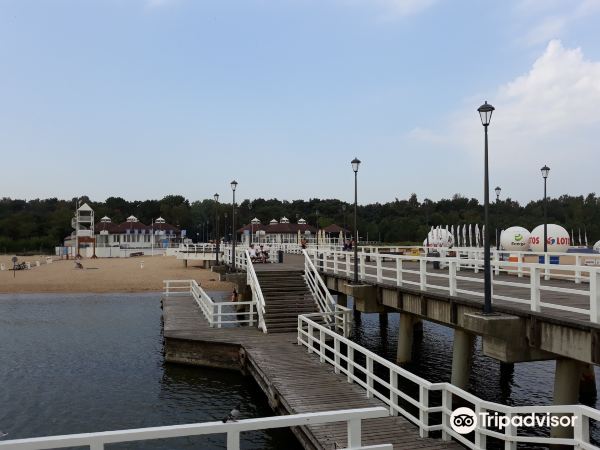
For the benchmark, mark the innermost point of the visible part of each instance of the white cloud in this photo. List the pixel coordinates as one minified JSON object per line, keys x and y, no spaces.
{"x":556,"y":17}
{"x":548,"y":115}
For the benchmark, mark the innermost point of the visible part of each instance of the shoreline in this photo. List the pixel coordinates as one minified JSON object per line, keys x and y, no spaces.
{"x":104,"y":275}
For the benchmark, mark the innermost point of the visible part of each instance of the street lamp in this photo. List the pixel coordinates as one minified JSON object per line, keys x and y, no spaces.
{"x":485,"y":113}
{"x":233,"y":188}
{"x":317,"y":212}
{"x":355,"y":164}
{"x":498,"y":190}
{"x":545,"y":171}
{"x":216,"y":196}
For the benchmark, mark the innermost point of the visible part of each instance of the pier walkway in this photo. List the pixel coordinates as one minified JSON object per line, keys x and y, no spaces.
{"x":293,"y":380}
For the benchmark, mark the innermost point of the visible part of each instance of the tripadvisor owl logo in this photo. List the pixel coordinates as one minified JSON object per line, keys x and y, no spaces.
{"x":463,"y":420}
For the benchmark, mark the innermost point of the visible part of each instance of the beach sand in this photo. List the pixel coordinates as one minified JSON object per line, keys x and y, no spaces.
{"x":103,"y":275}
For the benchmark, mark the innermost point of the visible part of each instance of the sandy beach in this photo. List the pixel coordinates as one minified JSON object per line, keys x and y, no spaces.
{"x":103,"y":275}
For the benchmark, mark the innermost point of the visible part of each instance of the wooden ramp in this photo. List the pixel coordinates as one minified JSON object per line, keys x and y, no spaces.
{"x":293,"y":380}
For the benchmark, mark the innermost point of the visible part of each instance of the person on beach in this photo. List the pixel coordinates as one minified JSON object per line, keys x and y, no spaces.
{"x":239,"y":309}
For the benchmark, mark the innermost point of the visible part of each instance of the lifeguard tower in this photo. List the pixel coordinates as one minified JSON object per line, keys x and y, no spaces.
{"x":83,"y":224}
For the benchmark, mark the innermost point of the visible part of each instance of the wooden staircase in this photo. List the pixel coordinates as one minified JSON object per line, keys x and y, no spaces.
{"x":286,"y":296}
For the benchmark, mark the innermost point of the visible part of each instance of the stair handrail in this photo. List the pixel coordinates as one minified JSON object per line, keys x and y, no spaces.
{"x":320,"y":292}
{"x":257,"y":293}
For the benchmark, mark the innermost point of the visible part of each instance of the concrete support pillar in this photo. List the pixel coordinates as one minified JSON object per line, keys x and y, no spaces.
{"x":418,"y":327}
{"x":405,"y":338}
{"x":587,"y":385}
{"x":462,"y":356}
{"x":383,"y":320}
{"x":342,"y":299}
{"x":566,"y":389}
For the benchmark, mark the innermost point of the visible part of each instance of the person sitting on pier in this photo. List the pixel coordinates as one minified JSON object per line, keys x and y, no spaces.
{"x":263,"y":255}
{"x":265,"y":249}
{"x":252,"y":252}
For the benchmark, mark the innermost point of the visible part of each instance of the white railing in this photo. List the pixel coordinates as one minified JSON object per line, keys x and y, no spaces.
{"x":97,"y":441}
{"x":418,"y":272}
{"x":392,"y":385}
{"x":337,"y":315}
{"x":257,"y":295}
{"x":197,"y":248}
{"x":240,"y":256}
{"x":217,"y":314}
{"x":553,"y":261}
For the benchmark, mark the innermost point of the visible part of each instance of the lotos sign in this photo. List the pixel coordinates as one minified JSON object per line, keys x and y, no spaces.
{"x":558,"y":239}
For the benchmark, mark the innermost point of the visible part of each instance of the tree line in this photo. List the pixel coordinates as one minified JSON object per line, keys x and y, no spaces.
{"x":40,"y":225}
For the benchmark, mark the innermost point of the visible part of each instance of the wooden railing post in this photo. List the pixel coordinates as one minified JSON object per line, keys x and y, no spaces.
{"x":362,"y":269}
{"x":398,"y":271}
{"x":379,"y":263}
{"x":594,"y":295}
{"x":480,"y":438}
{"x":423,"y":273}
{"x":578,"y":271}
{"x":534,"y":280}
{"x":336,"y":355}
{"x":393,"y":395}
{"x":348,"y":265}
{"x":581,"y":430}
{"x":369,"y":376}
{"x":350,"y":362}
{"x":322,"y":345}
{"x":447,"y":410}
{"x":423,"y":413}
{"x":510,"y":431}
{"x":233,"y":440}
{"x":354,"y":433}
{"x":452,"y":277}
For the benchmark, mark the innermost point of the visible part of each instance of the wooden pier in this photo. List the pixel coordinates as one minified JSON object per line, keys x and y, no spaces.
{"x":292,"y":380}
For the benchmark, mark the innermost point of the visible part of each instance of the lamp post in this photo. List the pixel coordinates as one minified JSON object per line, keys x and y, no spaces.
{"x":317,"y":212}
{"x":233,"y":188}
{"x":485,"y":113}
{"x":498,"y":190}
{"x":251,"y":223}
{"x":545,"y":171}
{"x":216,"y":196}
{"x":355,"y":164}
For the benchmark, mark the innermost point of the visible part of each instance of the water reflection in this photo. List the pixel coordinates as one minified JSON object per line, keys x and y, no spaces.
{"x":88,"y":362}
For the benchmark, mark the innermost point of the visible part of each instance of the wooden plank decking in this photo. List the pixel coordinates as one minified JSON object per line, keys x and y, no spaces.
{"x":293,"y":380}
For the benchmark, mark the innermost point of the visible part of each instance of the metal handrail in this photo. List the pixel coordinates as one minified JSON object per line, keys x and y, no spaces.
{"x":317,"y":286}
{"x":326,"y":344}
{"x":212,"y":311}
{"x":528,"y":277}
{"x":257,"y":294}
{"x":97,"y":441}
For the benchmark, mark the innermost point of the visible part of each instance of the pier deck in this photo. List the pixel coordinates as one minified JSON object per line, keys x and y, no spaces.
{"x":293,"y":380}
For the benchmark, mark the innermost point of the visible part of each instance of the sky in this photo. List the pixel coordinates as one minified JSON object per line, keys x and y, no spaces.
{"x":145,"y":98}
